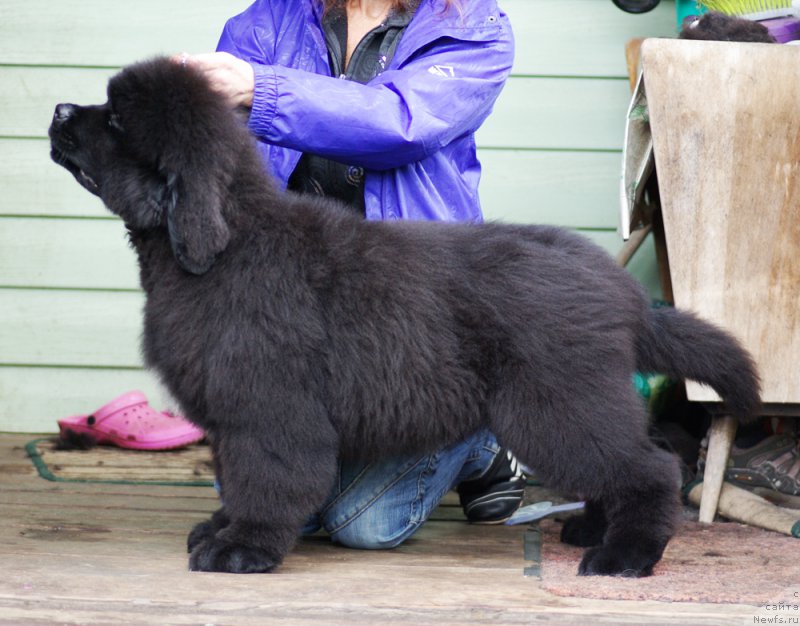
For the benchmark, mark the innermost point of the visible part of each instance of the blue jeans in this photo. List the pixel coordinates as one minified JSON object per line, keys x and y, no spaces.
{"x":380,"y":505}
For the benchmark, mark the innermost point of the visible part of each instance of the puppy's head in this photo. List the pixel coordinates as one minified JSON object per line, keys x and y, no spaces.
{"x":160,"y":153}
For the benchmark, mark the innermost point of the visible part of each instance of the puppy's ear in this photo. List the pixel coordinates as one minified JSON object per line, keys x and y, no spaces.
{"x":196,"y":226}
{"x":176,"y":122}
{"x":198,"y":161}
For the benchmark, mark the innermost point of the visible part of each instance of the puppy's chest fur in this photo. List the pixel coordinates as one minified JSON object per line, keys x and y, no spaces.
{"x":293,"y":315}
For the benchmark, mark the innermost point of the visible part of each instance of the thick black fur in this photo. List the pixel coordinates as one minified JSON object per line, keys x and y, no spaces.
{"x":720,"y":27}
{"x":297,"y":334}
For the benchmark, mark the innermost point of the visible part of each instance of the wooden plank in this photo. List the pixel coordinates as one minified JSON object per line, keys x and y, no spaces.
{"x":73,"y":554}
{"x":42,"y":327}
{"x":572,"y":189}
{"x":580,"y":37}
{"x":28,"y":95}
{"x":567,"y":37}
{"x":728,"y":172}
{"x":575,"y":189}
{"x":107,"y":463}
{"x":33,"y":185}
{"x":66,"y":253}
{"x":94,"y":33}
{"x":159,"y":499}
{"x":535,"y":112}
{"x":73,"y":526}
{"x":531,"y":112}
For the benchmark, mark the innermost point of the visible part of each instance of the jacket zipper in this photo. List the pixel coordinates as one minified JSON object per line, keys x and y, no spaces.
{"x":337,"y":60}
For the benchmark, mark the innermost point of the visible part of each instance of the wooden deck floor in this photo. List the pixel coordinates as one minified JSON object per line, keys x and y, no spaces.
{"x":75,"y":553}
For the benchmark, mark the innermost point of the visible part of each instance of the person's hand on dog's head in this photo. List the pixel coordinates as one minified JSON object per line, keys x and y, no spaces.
{"x":228,"y":75}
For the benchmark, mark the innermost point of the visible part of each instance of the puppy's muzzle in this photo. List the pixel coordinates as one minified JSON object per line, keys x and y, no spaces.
{"x":63,"y":112}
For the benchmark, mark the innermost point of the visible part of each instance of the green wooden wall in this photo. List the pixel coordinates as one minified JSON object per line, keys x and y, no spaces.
{"x":69,"y":298}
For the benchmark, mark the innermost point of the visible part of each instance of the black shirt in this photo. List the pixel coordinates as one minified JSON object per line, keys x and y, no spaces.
{"x":325,"y":177}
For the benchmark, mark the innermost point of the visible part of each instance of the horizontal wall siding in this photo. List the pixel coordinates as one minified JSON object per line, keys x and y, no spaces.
{"x":553,"y":111}
{"x":568,"y":188}
{"x":70,"y":304}
{"x":34,"y":397}
{"x":553,"y":37}
{"x":99,"y":33}
{"x":32,"y":185}
{"x":580,"y":38}
{"x":72,"y":328}
{"x":546,"y":113}
{"x":28,"y":95}
{"x":565,"y":187}
{"x":66,"y":254}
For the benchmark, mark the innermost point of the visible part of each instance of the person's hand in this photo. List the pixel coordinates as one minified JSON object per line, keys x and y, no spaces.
{"x":228,"y":75}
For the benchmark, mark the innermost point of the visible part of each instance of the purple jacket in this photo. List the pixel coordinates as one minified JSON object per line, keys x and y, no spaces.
{"x":411,"y":128}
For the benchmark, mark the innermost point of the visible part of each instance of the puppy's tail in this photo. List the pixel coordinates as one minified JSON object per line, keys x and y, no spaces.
{"x":681,"y":345}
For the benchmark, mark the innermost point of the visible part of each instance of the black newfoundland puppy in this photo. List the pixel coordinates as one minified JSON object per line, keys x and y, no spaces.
{"x":297,"y":334}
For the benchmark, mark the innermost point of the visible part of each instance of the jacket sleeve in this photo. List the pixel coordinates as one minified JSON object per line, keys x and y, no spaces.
{"x":401,"y":116}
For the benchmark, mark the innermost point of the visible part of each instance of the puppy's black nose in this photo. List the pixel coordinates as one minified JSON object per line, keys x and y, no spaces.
{"x":63,"y":112}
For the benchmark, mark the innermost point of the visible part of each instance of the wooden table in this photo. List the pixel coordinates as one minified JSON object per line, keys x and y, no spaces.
{"x":725,"y":120}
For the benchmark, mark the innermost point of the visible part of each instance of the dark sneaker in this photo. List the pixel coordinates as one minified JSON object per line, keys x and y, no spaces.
{"x":495,"y":496}
{"x":773,"y":463}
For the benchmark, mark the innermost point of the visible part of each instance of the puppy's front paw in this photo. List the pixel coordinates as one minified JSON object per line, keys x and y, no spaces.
{"x":207,"y":530}
{"x":200,"y":533}
{"x":608,"y":560}
{"x":214,"y":555}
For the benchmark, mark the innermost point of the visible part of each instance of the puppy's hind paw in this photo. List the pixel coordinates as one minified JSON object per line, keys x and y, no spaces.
{"x":614,"y":561}
{"x":213,"y":555}
{"x":582,"y":531}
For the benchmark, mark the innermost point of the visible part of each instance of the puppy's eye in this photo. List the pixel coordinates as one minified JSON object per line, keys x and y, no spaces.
{"x":115,"y":122}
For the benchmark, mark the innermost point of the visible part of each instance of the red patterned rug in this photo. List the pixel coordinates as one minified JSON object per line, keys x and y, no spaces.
{"x":720,"y":563}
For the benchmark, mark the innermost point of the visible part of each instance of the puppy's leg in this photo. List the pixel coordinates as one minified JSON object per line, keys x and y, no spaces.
{"x":218,"y":521}
{"x":587,"y":529}
{"x":642,"y":509}
{"x":271,"y":484}
{"x":590,"y":439}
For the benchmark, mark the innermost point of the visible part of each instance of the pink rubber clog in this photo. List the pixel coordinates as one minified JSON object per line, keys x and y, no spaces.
{"x":130,"y":422}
